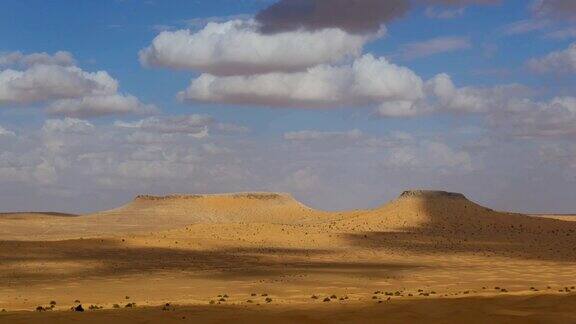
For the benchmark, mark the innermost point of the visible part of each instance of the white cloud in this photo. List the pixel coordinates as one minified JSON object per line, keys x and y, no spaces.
{"x":195,"y":125}
{"x":565,"y":33}
{"x":445,"y":96}
{"x":66,"y":89}
{"x":560,"y":61}
{"x":96,"y":106}
{"x":48,"y":82}
{"x":19,"y":59}
{"x":557,"y":8}
{"x":428,"y":155}
{"x":68,"y":126}
{"x":444,"y":13}
{"x":525,"y":26}
{"x":525,"y":118}
{"x":237,"y":47}
{"x":367,"y":81}
{"x":402,"y":108}
{"x":434,"y":46}
{"x":314,"y":135}
{"x":5,"y":132}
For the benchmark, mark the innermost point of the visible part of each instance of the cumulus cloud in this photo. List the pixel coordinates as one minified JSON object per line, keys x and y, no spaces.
{"x":355,"y":16}
{"x":5,"y":133}
{"x":403,"y":108}
{"x":67,"y":125}
{"x":445,"y":96}
{"x":532,"y":119}
{"x":66,"y":89}
{"x":48,"y":82}
{"x":562,"y":61}
{"x":558,"y":8}
{"x":427,"y":155}
{"x":314,"y":135}
{"x":367,"y":81}
{"x":62,"y":58}
{"x":97,"y":106}
{"x":195,"y":125}
{"x":444,"y":13}
{"x":434,"y":46}
{"x":237,"y":47}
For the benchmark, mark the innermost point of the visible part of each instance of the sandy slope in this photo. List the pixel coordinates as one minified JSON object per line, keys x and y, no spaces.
{"x":564,"y":217}
{"x":510,"y":309}
{"x":422,"y":247}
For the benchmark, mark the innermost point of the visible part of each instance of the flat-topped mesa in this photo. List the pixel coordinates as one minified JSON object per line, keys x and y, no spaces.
{"x":431,"y":194}
{"x":241,"y":195}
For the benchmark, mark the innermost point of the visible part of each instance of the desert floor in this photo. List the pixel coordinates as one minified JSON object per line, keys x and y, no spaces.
{"x":424,"y":257}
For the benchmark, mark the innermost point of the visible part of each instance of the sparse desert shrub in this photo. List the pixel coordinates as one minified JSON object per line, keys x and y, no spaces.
{"x":327,"y":300}
{"x":115,"y":306}
{"x":264,"y":295}
{"x":95,"y":307}
{"x":314,"y":297}
{"x":253,"y":294}
{"x":130,"y":305}
{"x":168,"y":307}
{"x":374,"y":297}
{"x":333,"y":297}
{"x":268,"y":299}
{"x":53,"y":303}
{"x":222,"y":299}
{"x":212,"y":302}
{"x":250,"y":301}
{"x":40,"y":309}
{"x":77,"y":301}
{"x":78,"y":308}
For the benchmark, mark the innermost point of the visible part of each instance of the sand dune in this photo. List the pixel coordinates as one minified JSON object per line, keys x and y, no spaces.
{"x":189,"y":249}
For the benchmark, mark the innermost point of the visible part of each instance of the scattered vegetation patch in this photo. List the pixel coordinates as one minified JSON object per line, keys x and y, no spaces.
{"x":168,"y":307}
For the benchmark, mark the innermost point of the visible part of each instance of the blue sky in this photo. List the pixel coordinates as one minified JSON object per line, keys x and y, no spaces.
{"x":475,"y":96}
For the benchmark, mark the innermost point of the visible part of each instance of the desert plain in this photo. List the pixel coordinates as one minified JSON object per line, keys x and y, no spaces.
{"x":425,"y":257}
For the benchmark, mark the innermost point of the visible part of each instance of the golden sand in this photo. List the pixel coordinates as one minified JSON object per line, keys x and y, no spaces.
{"x":424,"y":257}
